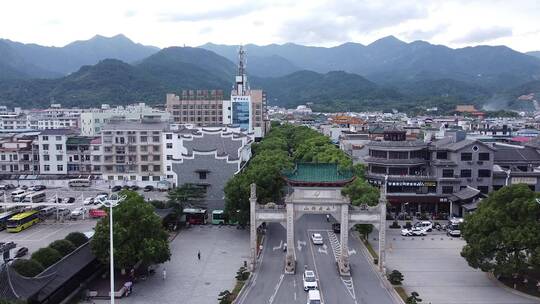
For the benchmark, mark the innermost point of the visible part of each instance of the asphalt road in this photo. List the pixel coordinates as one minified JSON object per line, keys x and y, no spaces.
{"x":271,"y":285}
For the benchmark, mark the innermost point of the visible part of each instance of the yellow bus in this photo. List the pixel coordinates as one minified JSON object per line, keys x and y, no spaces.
{"x":21,"y":221}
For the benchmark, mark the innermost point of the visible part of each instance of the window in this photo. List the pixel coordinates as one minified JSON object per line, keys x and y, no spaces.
{"x":202,"y":175}
{"x":484,"y":173}
{"x":483,"y":189}
{"x":168,"y":168}
{"x":157,"y":168}
{"x":60,"y":167}
{"x":58,"y":138}
{"x":155,"y":157}
{"x":58,"y":147}
{"x":144,"y":157}
{"x":155,"y":178}
{"x":156,"y":148}
{"x":144,"y":148}
{"x":45,"y":147}
{"x":59,"y":157}
{"x":442,"y":155}
{"x":169,"y":157}
{"x":144,"y":138}
{"x":466,"y":173}
{"x":45,"y":138}
{"x":483,"y":156}
{"x":46,"y":157}
{"x":155,"y":138}
{"x":145,"y":178}
{"x":466,"y":156}
{"x":46,"y":168}
{"x":144,"y":168}
{"x":448,"y":173}
{"x":168,"y":136}
{"x":447,"y":189}
{"x":169,"y":145}
{"x":132,"y":149}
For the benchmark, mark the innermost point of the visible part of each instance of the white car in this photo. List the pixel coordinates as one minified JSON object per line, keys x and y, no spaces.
{"x":317,"y":239}
{"x":88,"y":201}
{"x":314,"y":297}
{"x":425,"y":225}
{"x":77,"y":212}
{"x":413,"y":232}
{"x":310,"y":281}
{"x":100,"y":199}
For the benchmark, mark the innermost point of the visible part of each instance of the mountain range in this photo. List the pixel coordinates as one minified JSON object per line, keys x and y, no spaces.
{"x":385,"y":74}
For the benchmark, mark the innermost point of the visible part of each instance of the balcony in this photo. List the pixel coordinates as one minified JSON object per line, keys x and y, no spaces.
{"x":392,"y":161}
{"x":406,"y":177}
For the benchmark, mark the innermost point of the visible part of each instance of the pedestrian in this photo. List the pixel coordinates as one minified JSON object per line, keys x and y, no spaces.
{"x":199,"y":255}
{"x":164,"y":273}
{"x":328,"y":217}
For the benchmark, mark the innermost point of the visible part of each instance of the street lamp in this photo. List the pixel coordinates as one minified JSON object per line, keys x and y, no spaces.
{"x":112,"y":201}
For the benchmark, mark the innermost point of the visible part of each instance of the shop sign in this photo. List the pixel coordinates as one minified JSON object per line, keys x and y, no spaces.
{"x":524,"y":180}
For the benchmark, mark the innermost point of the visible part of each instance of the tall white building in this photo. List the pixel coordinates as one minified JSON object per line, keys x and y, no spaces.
{"x":52,"y":150}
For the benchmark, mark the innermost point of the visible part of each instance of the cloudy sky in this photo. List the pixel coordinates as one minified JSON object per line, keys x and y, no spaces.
{"x":163,"y":23}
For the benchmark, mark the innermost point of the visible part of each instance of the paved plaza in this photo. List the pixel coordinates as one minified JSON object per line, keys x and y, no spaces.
{"x":433,"y":267}
{"x":190,"y":281}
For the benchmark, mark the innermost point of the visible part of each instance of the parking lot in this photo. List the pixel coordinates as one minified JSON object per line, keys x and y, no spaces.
{"x":53,"y":227}
{"x":433,"y":267}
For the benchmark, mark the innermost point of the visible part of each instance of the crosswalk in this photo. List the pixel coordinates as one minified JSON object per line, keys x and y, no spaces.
{"x":336,"y":249}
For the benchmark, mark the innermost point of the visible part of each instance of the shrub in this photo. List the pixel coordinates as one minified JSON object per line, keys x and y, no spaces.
{"x":414,"y":298}
{"x":65,"y":247}
{"x":159,"y":204}
{"x":395,"y":225}
{"x":389,"y":217}
{"x":77,"y":238}
{"x":395,"y":277}
{"x":225,"y":297}
{"x":242,"y":274}
{"x":408,"y":225}
{"x":27,"y":268}
{"x":46,"y":256}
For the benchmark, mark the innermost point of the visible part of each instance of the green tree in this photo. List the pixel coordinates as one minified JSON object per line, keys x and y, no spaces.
{"x":65,"y":247}
{"x":364,"y":230}
{"x":414,"y":298}
{"x":77,"y":238}
{"x":46,"y":256}
{"x":502,"y":234}
{"x":224,"y":297}
{"x":138,"y":235}
{"x":361,"y":192}
{"x":186,"y":195}
{"x":395,"y":277}
{"x":28,"y":268}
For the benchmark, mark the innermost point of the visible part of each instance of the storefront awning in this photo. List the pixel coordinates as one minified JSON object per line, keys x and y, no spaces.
{"x":471,"y":206}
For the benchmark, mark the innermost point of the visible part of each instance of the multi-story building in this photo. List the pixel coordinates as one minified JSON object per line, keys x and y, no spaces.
{"x":196,"y":107}
{"x":205,"y":156}
{"x":92,"y":121}
{"x":13,"y":121}
{"x":19,"y":155}
{"x":79,"y":155}
{"x":428,"y":176}
{"x":132,"y":151}
{"x":53,"y":151}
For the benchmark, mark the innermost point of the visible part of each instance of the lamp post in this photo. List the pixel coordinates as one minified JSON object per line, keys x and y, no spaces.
{"x":111,"y":255}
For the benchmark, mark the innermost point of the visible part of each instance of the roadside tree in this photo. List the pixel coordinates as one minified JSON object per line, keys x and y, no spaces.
{"x":361,"y":192}
{"x":46,"y":256}
{"x":28,"y":268}
{"x":65,"y":247}
{"x":502,"y":234}
{"x":138,"y":235}
{"x":77,"y":238}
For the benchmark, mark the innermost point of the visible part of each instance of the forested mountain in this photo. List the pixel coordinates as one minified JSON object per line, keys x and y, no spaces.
{"x":36,"y":61}
{"x":534,"y":54}
{"x":390,"y":60}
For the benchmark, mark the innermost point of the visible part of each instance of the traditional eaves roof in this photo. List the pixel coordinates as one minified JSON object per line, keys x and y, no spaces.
{"x":526,"y":154}
{"x":318,"y":173}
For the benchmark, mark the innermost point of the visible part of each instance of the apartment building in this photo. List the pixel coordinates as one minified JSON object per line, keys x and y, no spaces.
{"x":79,"y":155}
{"x":13,"y":121}
{"x":92,"y":121}
{"x":131,"y":152}
{"x":196,"y":107}
{"x":52,"y":145}
{"x":19,"y":155}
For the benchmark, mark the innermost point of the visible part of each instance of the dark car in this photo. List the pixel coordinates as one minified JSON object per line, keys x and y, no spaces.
{"x":336,"y":227}
{"x":103,"y":193}
{"x":40,"y":187}
{"x":125,"y":187}
{"x":148,"y":188}
{"x":134,"y":188}
{"x":116,"y":188}
{"x":21,"y":252}
{"x":70,"y":200}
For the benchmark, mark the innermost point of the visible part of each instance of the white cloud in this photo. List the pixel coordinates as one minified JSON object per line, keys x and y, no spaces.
{"x":456,"y":23}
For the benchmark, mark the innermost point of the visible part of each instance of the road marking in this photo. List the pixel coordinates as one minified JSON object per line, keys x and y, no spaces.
{"x":300,"y":244}
{"x":316,"y":272}
{"x":352,"y":251}
{"x":278,"y":247}
{"x":336,"y":249}
{"x":271,"y":300}
{"x":322,"y":250}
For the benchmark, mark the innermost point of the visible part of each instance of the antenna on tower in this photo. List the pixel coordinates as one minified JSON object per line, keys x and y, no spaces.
{"x":241,"y":83}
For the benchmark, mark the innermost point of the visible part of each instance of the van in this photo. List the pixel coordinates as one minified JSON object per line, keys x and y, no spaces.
{"x":453,"y":228}
{"x":47,"y":211}
{"x":314,"y":297}
{"x":17,"y":192}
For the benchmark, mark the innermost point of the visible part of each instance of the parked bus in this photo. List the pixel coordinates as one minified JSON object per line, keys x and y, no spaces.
{"x":19,"y":198}
{"x":47,"y":211}
{"x":196,"y":216}
{"x":36,"y":197}
{"x":79,"y":183}
{"x":4,"y":217}
{"x":218,"y":217}
{"x":21,"y":221}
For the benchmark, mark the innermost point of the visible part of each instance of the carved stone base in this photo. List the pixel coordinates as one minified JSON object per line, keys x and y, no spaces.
{"x":290,"y":264}
{"x":344,"y":267}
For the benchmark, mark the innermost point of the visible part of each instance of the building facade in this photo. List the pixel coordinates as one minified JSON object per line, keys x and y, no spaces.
{"x":197,"y":107}
{"x":53,"y":151}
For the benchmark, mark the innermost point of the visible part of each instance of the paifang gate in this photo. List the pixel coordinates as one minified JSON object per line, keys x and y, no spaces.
{"x":316,"y":189}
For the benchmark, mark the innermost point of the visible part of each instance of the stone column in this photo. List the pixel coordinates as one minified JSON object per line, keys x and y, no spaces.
{"x":382,"y":228}
{"x":290,"y":258}
{"x":344,"y":267}
{"x":253,"y":226}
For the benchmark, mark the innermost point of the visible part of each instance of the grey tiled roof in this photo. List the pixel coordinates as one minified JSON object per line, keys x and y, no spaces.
{"x":206,"y":142}
{"x":404,"y":143}
{"x":466,"y":193}
{"x":526,"y":154}
{"x":135,"y":125}
{"x":454,"y":146}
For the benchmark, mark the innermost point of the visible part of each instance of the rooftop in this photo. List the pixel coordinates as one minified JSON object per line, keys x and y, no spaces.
{"x":135,"y":125}
{"x":318,"y":173}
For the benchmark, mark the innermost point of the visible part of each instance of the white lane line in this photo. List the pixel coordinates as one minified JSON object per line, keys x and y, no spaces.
{"x":253,"y":281}
{"x":278,"y":247}
{"x":272,"y":298}
{"x":317,"y":272}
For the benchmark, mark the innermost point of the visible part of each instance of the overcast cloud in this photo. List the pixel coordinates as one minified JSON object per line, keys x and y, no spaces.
{"x":456,"y":23}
